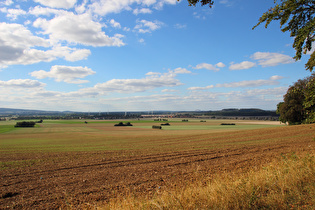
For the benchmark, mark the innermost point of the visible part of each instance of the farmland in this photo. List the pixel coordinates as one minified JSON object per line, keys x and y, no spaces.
{"x":71,"y":164}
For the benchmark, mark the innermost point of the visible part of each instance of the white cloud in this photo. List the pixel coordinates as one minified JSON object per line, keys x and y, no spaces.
{"x":160,"y":4}
{"x":114,"y":23}
{"x":220,"y":64}
{"x":271,"y":59}
{"x":81,"y":8}
{"x":68,"y":74}
{"x":180,"y":26}
{"x":144,"y":26}
{"x":152,"y":81}
{"x":65,"y":4}
{"x":201,"y":88}
{"x":80,"y":29}
{"x":16,"y":43}
{"x":242,"y":65}
{"x":45,"y":11}
{"x":181,"y":71}
{"x":105,"y":7}
{"x":17,"y":46}
{"x":21,"y":83}
{"x":168,"y":90}
{"x":252,"y":83}
{"x":6,"y":2}
{"x":141,"y":40}
{"x":276,"y":77}
{"x":152,"y":73}
{"x":209,"y":66}
{"x":13,"y":13}
{"x":142,"y":11}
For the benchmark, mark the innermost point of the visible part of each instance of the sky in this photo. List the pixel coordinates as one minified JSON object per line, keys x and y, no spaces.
{"x":142,"y":55}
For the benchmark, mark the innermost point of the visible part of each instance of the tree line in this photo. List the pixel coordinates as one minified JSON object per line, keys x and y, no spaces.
{"x":298,"y":104}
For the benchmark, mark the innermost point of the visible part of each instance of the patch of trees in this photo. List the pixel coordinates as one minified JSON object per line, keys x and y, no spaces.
{"x":123,"y":124}
{"x":298,"y":104}
{"x":227,"y":123}
{"x":156,"y":127}
{"x":25,"y":124}
{"x":163,"y":124}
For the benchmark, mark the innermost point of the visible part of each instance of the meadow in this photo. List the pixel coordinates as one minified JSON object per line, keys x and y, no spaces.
{"x":71,"y":164}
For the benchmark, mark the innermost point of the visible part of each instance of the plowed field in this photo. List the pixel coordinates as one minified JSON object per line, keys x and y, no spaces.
{"x":79,"y":166}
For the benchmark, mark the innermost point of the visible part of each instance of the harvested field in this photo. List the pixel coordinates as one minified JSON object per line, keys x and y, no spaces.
{"x":77,"y":165}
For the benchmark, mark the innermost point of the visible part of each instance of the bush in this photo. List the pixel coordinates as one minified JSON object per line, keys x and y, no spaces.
{"x":165,"y":124}
{"x":25,"y":124}
{"x":227,"y":123}
{"x":122,"y":124}
{"x":156,"y":127}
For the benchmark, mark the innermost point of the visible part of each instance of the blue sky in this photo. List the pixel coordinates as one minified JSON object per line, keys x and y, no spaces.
{"x":142,"y":55}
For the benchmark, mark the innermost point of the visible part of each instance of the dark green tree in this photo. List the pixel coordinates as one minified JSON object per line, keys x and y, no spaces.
{"x":309,"y":101}
{"x":296,"y":17}
{"x":299,"y":102}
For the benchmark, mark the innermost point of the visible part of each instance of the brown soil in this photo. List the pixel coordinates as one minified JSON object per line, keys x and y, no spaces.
{"x":87,"y":179}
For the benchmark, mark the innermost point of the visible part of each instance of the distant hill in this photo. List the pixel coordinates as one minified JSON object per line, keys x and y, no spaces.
{"x":224,"y":112}
{"x":6,"y":111}
{"x":243,"y":112}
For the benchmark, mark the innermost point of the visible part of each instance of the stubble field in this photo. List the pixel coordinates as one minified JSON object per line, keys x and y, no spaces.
{"x":70,"y":164}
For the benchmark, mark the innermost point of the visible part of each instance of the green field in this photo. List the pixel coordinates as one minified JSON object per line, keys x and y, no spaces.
{"x":75,"y":135}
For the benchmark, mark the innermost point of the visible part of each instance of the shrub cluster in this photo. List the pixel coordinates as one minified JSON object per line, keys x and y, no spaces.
{"x":156,"y":127}
{"x":227,"y":123}
{"x":25,"y":124}
{"x":123,"y":124}
{"x":165,"y":124}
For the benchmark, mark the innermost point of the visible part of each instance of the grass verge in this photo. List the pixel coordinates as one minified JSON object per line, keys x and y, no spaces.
{"x":6,"y":128}
{"x":288,"y":183}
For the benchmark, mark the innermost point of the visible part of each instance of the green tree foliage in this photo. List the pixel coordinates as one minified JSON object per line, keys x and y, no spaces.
{"x":299,"y":102}
{"x":309,"y":101}
{"x":203,"y":2}
{"x":296,"y":17}
{"x":25,"y":124}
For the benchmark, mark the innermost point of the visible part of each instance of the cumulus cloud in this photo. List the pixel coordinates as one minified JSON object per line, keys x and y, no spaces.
{"x":210,"y":66}
{"x":114,"y":24}
{"x":18,"y":46}
{"x":13,"y":13}
{"x":64,"y":4}
{"x":16,"y":43}
{"x":21,"y":83}
{"x":271,"y":59}
{"x":68,"y":74}
{"x":45,"y":11}
{"x":144,"y":26}
{"x":80,"y":29}
{"x":152,"y":81}
{"x":142,"y":11}
{"x":242,"y":65}
{"x":6,"y":2}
